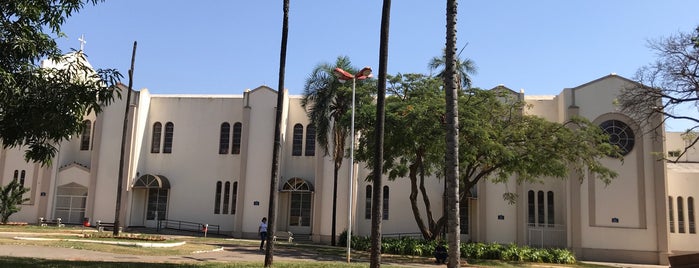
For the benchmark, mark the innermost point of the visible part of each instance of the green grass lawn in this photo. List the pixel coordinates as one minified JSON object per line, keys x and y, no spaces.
{"x":196,"y":243}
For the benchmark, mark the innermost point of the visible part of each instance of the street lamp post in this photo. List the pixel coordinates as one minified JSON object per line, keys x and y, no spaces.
{"x":344,"y":76}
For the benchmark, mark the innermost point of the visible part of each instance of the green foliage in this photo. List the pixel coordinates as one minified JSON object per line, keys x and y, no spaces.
{"x":497,"y":141}
{"x":473,"y":251}
{"x":39,"y":107}
{"x":11,"y":196}
{"x":125,"y":236}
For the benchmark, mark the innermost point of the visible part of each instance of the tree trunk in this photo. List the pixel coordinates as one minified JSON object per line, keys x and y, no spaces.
{"x":120,"y":179}
{"x":333,"y":230}
{"x":452,"y":139}
{"x":375,"y":260}
{"x":272,"y":211}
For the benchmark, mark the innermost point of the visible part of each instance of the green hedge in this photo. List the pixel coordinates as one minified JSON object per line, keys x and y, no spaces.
{"x":491,"y":251}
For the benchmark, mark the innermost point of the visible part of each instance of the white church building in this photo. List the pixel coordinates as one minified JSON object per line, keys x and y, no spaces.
{"x":207,"y":159}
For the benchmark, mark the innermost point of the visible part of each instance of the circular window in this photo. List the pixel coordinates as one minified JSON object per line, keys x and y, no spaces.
{"x":620,"y":134}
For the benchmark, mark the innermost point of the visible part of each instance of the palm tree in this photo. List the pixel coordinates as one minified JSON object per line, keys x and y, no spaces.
{"x":327,"y":101}
{"x":375,"y":259}
{"x":451,"y":74}
{"x":464,"y":68}
{"x":272,"y":210}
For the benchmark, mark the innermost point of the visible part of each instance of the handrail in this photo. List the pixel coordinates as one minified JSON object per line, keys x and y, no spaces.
{"x":188,"y":226}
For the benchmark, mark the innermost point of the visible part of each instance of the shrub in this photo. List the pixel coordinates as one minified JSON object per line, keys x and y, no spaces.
{"x":493,"y":251}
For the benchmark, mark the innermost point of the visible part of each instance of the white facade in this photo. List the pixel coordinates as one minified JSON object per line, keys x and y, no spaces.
{"x":207,"y":159}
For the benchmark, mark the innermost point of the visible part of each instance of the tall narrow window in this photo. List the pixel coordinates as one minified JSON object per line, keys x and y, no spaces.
{"x":226,"y":197}
{"x":680,"y":215}
{"x":671,"y":211}
{"x":217,"y":200}
{"x":310,"y":140}
{"x":367,"y":203}
{"x":21,"y":177}
{"x":540,"y":207}
{"x":385,"y":203}
{"x":550,"y":219}
{"x":690,"y":215}
{"x":16,"y":176}
{"x":237,"y":136}
{"x":297,"y":144}
{"x":167,"y":143}
{"x":235,"y":197}
{"x":155,"y":142}
{"x":531,"y":208}
{"x":224,"y":140}
{"x":463,"y":216}
{"x":85,"y":137}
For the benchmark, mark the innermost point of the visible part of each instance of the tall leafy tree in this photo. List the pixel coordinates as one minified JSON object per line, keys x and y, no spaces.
{"x":11,"y":196}
{"x":668,"y":89}
{"x":328,"y":103}
{"x":498,"y":142}
{"x":41,"y":106}
{"x":414,"y":144}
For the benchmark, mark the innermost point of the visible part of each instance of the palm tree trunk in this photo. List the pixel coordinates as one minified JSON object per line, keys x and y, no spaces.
{"x":333,"y":230}
{"x":375,"y":260}
{"x":120,"y":179}
{"x":272,"y":212}
{"x":452,"y":139}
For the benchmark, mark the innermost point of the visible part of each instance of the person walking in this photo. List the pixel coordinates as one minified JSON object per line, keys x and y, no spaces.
{"x":262,"y":231}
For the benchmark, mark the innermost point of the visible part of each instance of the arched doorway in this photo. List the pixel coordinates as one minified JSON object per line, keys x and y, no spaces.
{"x":150,"y":199}
{"x":71,"y":199}
{"x":300,"y":205}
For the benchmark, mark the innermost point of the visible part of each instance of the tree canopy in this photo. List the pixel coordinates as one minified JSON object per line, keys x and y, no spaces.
{"x":498,"y":141}
{"x":328,"y":103}
{"x":39,"y":107}
{"x":669,"y":87}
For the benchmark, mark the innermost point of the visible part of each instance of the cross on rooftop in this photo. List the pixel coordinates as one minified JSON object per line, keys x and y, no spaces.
{"x":82,"y":42}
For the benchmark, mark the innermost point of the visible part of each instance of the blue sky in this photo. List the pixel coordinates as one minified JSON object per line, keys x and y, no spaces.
{"x":225,"y":47}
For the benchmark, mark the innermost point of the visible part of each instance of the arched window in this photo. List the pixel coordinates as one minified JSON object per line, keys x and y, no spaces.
{"x":531,"y":206}
{"x":297,"y":144}
{"x":550,"y":219}
{"x":226,"y":197}
{"x":217,"y":200}
{"x":680,"y":215}
{"x":225,"y":138}
{"x":237,"y":135}
{"x":367,"y":203}
{"x":540,"y":207}
{"x":16,"y":176}
{"x":690,"y":215}
{"x":167,"y":143}
{"x":671,"y":212}
{"x":21,"y":177}
{"x":464,"y":216}
{"x":155,"y":142}
{"x":620,"y":134}
{"x":385,"y":203}
{"x":310,"y":140}
{"x":85,"y":137}
{"x":235,"y":197}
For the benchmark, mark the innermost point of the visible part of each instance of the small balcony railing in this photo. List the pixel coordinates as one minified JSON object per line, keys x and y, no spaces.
{"x":547,"y":236}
